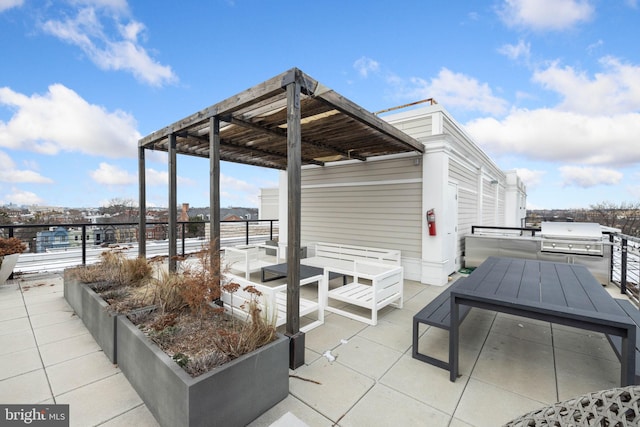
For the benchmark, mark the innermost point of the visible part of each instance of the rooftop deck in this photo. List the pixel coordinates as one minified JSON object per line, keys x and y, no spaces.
{"x":509,"y":366}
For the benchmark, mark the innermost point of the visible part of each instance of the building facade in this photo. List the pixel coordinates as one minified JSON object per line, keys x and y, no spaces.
{"x":385,"y":201}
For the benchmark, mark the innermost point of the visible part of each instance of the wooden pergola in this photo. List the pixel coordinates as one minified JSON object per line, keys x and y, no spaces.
{"x":284,"y":123}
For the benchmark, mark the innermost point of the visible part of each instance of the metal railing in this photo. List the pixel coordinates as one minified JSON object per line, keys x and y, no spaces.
{"x":625,"y":265}
{"x":86,"y":241}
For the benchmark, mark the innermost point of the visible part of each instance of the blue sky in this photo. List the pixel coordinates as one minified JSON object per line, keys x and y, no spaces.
{"x":548,"y":87}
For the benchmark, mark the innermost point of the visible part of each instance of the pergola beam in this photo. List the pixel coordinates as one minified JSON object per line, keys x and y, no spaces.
{"x":356,"y":112}
{"x":214,"y":196}
{"x":173,"y":204}
{"x":294,"y":179}
{"x":251,"y":96}
{"x":142,"y":204}
{"x":283,"y":135}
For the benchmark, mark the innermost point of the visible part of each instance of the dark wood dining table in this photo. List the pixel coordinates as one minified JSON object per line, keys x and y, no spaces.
{"x":561,"y":293}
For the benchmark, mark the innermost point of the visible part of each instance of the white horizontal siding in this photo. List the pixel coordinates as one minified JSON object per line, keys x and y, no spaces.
{"x":362,"y":172}
{"x":489,"y":203}
{"x":376,"y":204}
{"x":418,"y":127}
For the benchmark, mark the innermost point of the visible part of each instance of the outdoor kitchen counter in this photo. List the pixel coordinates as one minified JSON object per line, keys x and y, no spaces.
{"x":560,"y":293}
{"x":562,"y":242}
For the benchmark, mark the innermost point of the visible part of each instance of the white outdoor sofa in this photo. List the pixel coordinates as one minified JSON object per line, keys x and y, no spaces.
{"x":342,"y":256}
{"x":376,"y":277}
{"x":372,"y":286}
{"x":249,"y":259}
{"x":273,"y":301}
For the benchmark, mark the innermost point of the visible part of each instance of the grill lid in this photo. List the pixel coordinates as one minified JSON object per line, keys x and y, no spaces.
{"x":571,"y":230}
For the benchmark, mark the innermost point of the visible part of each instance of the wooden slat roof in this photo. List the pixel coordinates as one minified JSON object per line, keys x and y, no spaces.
{"x":253,"y":127}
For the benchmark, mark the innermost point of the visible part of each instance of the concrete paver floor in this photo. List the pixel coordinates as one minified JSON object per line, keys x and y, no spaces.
{"x":509,"y":366}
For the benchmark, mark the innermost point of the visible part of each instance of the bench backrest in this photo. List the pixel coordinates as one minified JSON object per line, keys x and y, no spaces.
{"x":341,"y":252}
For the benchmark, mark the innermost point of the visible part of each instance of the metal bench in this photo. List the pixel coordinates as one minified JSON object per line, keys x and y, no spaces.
{"x":616,"y":341}
{"x":437,"y":313}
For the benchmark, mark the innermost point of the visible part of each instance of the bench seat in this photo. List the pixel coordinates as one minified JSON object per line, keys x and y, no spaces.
{"x":438,"y":314}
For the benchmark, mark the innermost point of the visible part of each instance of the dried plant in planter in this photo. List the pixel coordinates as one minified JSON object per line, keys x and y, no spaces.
{"x":178,"y":311}
{"x":121,"y":281}
{"x":115,"y":269}
{"x":257,"y":331}
{"x":192,"y":328}
{"x":10,"y":246}
{"x":201,"y":283}
{"x":167,"y":292}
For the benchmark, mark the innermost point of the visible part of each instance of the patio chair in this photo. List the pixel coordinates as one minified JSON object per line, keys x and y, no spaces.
{"x":615,"y":407}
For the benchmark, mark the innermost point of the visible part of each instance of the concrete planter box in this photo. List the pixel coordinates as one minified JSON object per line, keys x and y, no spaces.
{"x":95,"y":314}
{"x":232,"y":395}
{"x":8,"y":263}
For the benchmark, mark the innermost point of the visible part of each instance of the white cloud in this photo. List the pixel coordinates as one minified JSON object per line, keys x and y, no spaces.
{"x":586,"y":177}
{"x":112,"y":5}
{"x":154,"y":177}
{"x":230,"y":183}
{"x":118,"y":49}
{"x":456,"y":90}
{"x":614,"y":90}
{"x":161,"y":178}
{"x":522,"y":50}
{"x":61,"y":120}
{"x":545,"y":14}
{"x":238,"y":192}
{"x":365,"y":65}
{"x":595,"y":123}
{"x":10,"y":4}
{"x":595,"y":46}
{"x":550,"y":135}
{"x":20,"y":197}
{"x":112,"y":175}
{"x":9,"y":173}
{"x":531,"y":178}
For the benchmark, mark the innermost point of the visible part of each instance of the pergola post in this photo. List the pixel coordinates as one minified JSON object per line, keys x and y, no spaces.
{"x":142,"y":205}
{"x":173,"y":204}
{"x":214,"y":195}
{"x":294,"y":167}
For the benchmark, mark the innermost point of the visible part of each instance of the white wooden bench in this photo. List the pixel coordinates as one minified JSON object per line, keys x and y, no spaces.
{"x":341,"y":256}
{"x":373,"y":286}
{"x":249,"y":259}
{"x":273,"y":301}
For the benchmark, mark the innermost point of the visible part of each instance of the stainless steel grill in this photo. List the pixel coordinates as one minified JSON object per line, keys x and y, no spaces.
{"x":570,"y":242}
{"x":579,"y":238}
